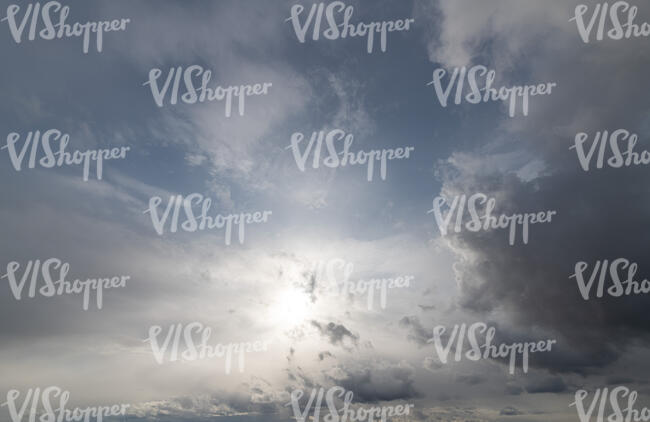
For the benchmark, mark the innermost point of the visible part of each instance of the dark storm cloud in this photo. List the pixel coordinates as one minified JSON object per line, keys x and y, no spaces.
{"x":374,"y":382}
{"x":546,"y":385}
{"x":472,"y":379}
{"x":562,"y":359}
{"x":513,"y":390}
{"x":619,"y":380}
{"x":601,"y":214}
{"x":533,"y":280}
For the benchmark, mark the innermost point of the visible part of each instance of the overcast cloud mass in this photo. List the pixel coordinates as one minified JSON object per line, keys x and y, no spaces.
{"x":278,"y":282}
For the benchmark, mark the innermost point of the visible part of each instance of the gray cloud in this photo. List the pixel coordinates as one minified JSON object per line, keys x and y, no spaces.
{"x":546,"y":385}
{"x":378,"y":381}
{"x":336,"y":333}
{"x":417,"y":332}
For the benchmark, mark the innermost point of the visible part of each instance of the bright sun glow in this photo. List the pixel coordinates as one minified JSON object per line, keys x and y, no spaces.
{"x":290,"y":307}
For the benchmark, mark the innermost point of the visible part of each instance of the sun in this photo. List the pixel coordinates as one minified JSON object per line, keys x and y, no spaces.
{"x":290,"y":307}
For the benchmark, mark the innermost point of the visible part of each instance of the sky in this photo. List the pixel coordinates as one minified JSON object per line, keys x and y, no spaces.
{"x":268,"y":287}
